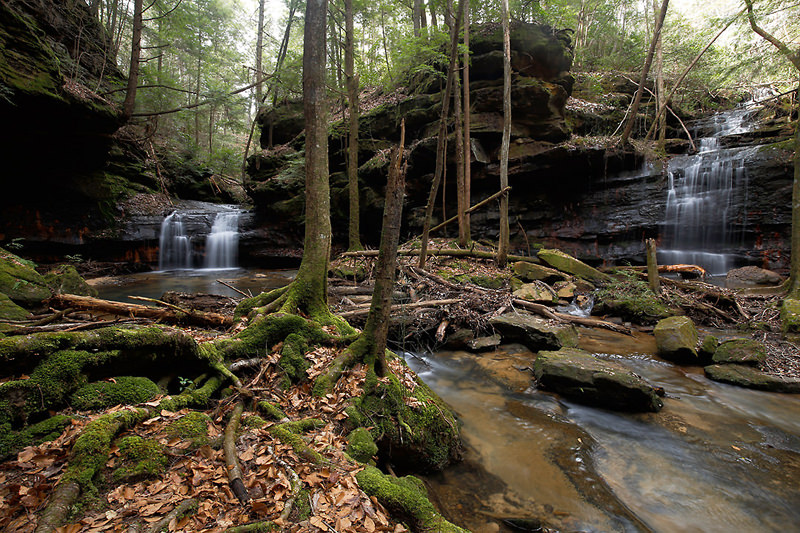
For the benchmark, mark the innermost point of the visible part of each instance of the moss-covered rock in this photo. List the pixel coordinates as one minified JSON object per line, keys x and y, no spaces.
{"x":790,"y":316}
{"x":742,"y":351}
{"x":361,"y":446}
{"x":532,"y":272}
{"x":139,"y":459}
{"x":65,"y":279}
{"x":630,"y":298}
{"x":676,"y":340}
{"x":20,"y":281}
{"x":581,"y":376}
{"x":406,"y":498}
{"x":751,"y":378}
{"x":358,"y":273}
{"x":533,"y":332}
{"x":11,"y":311}
{"x":537,"y":292}
{"x":125,"y":390}
{"x":293,"y":361}
{"x":708,"y":347}
{"x":566,"y":263}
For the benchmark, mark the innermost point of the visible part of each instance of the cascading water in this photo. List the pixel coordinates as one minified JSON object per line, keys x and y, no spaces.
{"x":222,"y":244}
{"x":175,"y":247}
{"x":700,"y":225}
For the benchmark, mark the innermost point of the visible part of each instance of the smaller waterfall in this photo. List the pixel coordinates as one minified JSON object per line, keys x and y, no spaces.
{"x":175,"y":247}
{"x":222,"y":244}
{"x":699,"y":226}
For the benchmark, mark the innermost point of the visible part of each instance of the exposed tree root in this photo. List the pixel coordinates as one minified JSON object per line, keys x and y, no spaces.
{"x":231,"y":456}
{"x":255,"y":527}
{"x":290,"y":433}
{"x":185,"y":507}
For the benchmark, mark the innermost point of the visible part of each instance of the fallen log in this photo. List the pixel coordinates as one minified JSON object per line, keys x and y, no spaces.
{"x":402,"y":307}
{"x":680,"y":269}
{"x":446,"y":253}
{"x":87,"y":303}
{"x":563,"y":317}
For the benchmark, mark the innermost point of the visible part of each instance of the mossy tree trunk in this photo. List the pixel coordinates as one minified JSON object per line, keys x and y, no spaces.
{"x":441,"y":145}
{"x":794,"y":58}
{"x":502,"y":248}
{"x":352,"y":143}
{"x":133,"y":72}
{"x":371,"y":344}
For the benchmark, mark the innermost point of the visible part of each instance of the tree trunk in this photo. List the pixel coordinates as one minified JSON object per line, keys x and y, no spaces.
{"x":434,"y":23}
{"x":467,"y":140}
{"x":416,"y":16}
{"x":352,"y":144}
{"x":259,"y":51}
{"x":645,"y":71}
{"x":133,"y":73}
{"x":461,"y":193}
{"x":660,"y":121}
{"x":308,"y":291}
{"x":441,"y":145}
{"x":197,"y":90}
{"x":502,"y":247}
{"x":371,"y":344}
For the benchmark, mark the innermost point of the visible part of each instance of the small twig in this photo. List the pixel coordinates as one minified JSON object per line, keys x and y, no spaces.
{"x":233,"y":288}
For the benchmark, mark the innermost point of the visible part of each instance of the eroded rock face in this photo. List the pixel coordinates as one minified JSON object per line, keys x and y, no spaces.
{"x":581,"y":376}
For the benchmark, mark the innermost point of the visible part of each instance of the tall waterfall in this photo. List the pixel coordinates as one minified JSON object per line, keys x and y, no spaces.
{"x":222,"y":244}
{"x":700,"y":225}
{"x":175,"y":247}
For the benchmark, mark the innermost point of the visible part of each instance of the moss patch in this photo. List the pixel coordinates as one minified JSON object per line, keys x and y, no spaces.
{"x":361,"y":446}
{"x":192,"y":426}
{"x":46,"y":430}
{"x":126,"y":390}
{"x":65,"y":279}
{"x":20,"y":282}
{"x":139,"y":459}
{"x":11,"y":311}
{"x":630,"y":298}
{"x":293,"y":361}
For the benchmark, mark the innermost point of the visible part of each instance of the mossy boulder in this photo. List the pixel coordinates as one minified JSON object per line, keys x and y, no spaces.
{"x":566,"y":263}
{"x":65,"y":279}
{"x":537,"y":292}
{"x":790,"y":316}
{"x":584,"y":378}
{"x":742,"y":351}
{"x":139,"y":459}
{"x":533,"y":332}
{"x":361,"y":446}
{"x":358,"y":273}
{"x":708,"y":347}
{"x":125,"y":390}
{"x":751,"y":378}
{"x":630,"y":298}
{"x":20,"y":281}
{"x":532,"y":272}
{"x":676,"y":340}
{"x":11,"y":311}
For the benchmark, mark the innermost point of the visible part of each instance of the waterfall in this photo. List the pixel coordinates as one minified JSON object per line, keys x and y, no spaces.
{"x":222,"y":244}
{"x":175,"y":248}
{"x":699,"y":225}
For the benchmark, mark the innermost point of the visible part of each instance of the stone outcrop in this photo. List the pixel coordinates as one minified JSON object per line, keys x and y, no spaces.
{"x":676,"y":339}
{"x":740,"y":351}
{"x":751,"y":378}
{"x":535,"y":333}
{"x":584,"y":378}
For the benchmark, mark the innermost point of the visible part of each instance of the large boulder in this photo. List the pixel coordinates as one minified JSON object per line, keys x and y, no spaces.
{"x":752,"y":275}
{"x":581,"y":376}
{"x":790,"y":316}
{"x":20,"y":282}
{"x":752,"y":378}
{"x":532,"y":272}
{"x":741,"y":351}
{"x":676,"y":339}
{"x":535,"y":333}
{"x":537,"y":292}
{"x":566,"y":263}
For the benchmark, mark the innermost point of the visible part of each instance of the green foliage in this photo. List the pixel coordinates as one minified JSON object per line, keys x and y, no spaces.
{"x":630,"y":297}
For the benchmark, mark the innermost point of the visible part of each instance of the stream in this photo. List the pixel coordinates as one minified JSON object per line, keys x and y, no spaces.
{"x":716,"y":458}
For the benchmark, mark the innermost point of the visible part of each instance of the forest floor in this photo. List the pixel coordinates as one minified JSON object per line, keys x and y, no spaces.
{"x":193,"y":478}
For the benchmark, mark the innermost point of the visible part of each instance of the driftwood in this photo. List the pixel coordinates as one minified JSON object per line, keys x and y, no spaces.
{"x":563,"y":317}
{"x":401,"y":307}
{"x":680,"y":269}
{"x":235,"y":477}
{"x":97,"y":305}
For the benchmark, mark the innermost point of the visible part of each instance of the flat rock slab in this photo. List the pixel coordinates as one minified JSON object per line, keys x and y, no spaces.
{"x":484,"y":344}
{"x":584,"y":378}
{"x":751,"y":378}
{"x":741,"y":351}
{"x":535,"y":333}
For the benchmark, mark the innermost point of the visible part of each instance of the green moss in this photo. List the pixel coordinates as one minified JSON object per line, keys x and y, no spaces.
{"x":630,"y":297}
{"x":404,"y":497}
{"x":253,"y":421}
{"x":361,"y":446}
{"x":267,"y":331}
{"x":11,"y":311}
{"x":271,"y":410}
{"x":46,"y":430}
{"x":290,"y":433}
{"x":139,"y":459}
{"x":20,"y":282}
{"x":126,"y":390}
{"x":790,"y":316}
{"x":192,"y":426}
{"x":65,"y":279}
{"x":293,"y":361}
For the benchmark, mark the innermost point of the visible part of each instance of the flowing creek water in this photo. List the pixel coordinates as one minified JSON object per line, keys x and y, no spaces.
{"x":716,"y":458}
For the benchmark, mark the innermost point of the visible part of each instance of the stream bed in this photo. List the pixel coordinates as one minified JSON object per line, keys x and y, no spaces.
{"x":715,"y":458}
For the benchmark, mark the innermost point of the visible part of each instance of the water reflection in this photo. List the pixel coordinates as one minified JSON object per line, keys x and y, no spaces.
{"x":716,"y":458}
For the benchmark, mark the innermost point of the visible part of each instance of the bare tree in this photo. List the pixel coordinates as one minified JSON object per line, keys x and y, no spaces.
{"x":352,"y":145}
{"x":502,"y":247}
{"x":133,"y":72}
